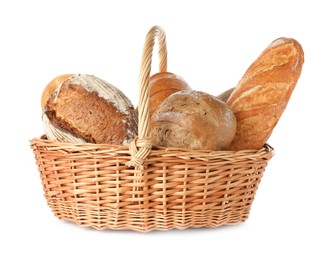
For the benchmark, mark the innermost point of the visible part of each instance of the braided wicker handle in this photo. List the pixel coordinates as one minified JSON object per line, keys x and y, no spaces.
{"x":141,"y":146}
{"x":143,"y":107}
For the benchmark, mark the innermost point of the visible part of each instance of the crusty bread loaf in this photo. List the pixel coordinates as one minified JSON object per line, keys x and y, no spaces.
{"x":225,"y":95}
{"x":262,"y":94}
{"x":87,"y":108}
{"x":193,"y":120}
{"x":161,"y":86}
{"x":51,"y":87}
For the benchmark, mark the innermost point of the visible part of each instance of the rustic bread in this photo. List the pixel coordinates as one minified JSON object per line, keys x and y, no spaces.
{"x":262,"y":94}
{"x":193,"y":120}
{"x":87,"y":108}
{"x":161,"y":86}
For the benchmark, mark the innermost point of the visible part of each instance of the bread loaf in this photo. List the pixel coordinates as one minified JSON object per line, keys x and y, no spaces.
{"x":86,"y":108}
{"x":225,"y":95}
{"x":161,"y":86}
{"x":193,"y":120}
{"x":262,"y":94}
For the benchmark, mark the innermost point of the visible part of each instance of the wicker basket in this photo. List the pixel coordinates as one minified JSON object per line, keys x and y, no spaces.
{"x":143,"y":188}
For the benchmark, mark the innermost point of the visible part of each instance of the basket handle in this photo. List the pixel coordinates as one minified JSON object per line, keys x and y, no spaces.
{"x":141,"y":146}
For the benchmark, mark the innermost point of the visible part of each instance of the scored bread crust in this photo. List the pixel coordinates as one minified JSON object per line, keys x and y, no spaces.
{"x":91,"y":109}
{"x":262,"y":94}
{"x":193,"y":120}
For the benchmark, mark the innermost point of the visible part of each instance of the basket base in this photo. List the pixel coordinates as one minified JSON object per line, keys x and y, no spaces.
{"x":146,"y":220}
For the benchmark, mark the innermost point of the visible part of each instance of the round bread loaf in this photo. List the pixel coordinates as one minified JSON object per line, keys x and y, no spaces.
{"x":161,"y":86}
{"x":193,"y":120}
{"x":85,"y":108}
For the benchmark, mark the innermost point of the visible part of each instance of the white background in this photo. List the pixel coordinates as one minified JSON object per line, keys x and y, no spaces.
{"x":210,"y":44}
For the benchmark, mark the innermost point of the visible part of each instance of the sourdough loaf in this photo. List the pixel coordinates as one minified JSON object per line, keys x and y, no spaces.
{"x":87,"y":108}
{"x":193,"y":120}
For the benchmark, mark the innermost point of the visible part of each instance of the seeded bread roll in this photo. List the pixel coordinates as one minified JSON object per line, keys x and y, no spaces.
{"x":262,"y":94}
{"x":85,"y":108}
{"x":193,"y":120}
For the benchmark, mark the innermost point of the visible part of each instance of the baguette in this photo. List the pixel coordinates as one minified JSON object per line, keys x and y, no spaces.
{"x":261,"y":96}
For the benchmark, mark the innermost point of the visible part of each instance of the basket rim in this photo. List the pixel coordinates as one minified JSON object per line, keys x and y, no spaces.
{"x":183,"y":152}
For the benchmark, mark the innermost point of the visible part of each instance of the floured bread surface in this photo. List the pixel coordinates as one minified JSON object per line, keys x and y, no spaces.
{"x":93,"y":110}
{"x":193,"y":120}
{"x":170,"y":134}
{"x":104,"y":90}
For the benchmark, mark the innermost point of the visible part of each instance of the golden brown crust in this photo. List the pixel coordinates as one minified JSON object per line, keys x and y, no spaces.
{"x":51,"y":87}
{"x":161,"y":86}
{"x":193,"y":120}
{"x":262,"y":94}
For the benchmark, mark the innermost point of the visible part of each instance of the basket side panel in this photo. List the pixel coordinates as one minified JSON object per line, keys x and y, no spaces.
{"x":81,"y":186}
{"x":202,"y":193}
{"x":94,"y":187}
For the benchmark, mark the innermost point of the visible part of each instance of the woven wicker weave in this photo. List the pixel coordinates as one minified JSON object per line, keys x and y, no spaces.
{"x":143,"y":188}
